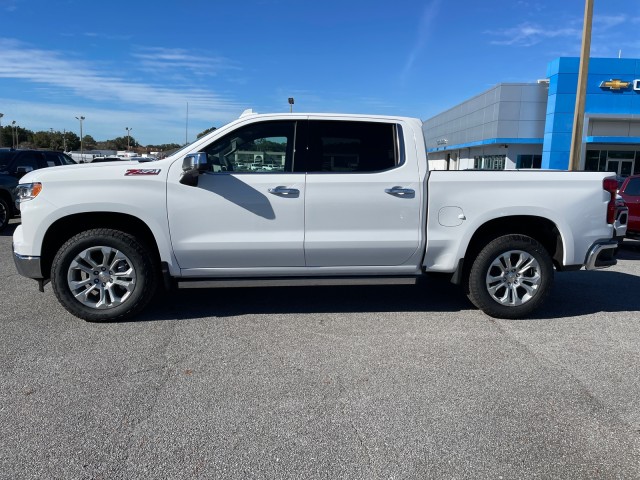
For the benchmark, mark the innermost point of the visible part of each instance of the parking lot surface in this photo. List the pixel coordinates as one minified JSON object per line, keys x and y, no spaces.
{"x":324,"y":382}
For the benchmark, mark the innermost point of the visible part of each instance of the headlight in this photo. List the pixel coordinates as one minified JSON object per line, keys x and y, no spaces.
{"x":27,"y":191}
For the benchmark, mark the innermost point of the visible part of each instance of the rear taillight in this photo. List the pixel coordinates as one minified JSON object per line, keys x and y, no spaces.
{"x":610,"y":184}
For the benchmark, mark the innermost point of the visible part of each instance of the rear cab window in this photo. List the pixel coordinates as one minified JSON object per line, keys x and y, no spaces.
{"x":351,"y":147}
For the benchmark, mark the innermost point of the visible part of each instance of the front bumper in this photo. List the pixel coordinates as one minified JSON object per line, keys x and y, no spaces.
{"x":28,"y":266}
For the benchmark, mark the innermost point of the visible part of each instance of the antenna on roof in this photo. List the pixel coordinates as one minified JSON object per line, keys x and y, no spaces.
{"x":248,"y":111}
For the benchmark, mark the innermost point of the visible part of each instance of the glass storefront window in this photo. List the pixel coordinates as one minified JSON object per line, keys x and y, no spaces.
{"x":529,"y":161}
{"x":489,"y":162}
{"x":592,"y":163}
{"x":620,"y":155}
{"x":621,"y":162}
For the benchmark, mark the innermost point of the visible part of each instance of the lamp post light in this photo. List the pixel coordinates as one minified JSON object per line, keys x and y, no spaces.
{"x":128,"y":135}
{"x":291,"y":102}
{"x":1,"y":115}
{"x":14,"y":134}
{"x":81,"y":118}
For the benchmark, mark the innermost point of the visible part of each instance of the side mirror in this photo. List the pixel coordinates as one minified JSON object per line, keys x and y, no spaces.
{"x":23,"y":170}
{"x":192,"y":166}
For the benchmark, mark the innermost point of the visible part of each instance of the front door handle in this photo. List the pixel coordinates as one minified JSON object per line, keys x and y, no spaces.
{"x":282,"y":191}
{"x":401,"y":192}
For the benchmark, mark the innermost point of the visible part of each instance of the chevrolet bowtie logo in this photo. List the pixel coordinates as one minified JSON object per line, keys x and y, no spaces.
{"x":615,"y":84}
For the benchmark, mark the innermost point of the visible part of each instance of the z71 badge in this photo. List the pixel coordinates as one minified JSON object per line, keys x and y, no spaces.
{"x":142,"y":171}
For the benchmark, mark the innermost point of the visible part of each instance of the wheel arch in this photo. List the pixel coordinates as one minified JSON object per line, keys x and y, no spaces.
{"x":65,"y":228}
{"x":6,"y":196}
{"x":542,"y":229}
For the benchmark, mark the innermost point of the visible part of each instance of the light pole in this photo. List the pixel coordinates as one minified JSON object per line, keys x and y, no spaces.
{"x":1,"y":115}
{"x":81,"y":118}
{"x":291,"y":102}
{"x":14,"y":134}
{"x":128,"y":134}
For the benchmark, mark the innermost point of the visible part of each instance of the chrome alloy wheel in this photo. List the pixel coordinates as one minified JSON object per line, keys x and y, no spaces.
{"x":513,"y":278}
{"x":101,"y":277}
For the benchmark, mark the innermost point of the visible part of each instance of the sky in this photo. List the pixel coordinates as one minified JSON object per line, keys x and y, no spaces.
{"x":168,"y":70}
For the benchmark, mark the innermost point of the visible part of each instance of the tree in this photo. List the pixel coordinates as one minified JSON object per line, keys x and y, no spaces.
{"x":42,"y":139}
{"x":120,"y":143}
{"x":5,"y":137}
{"x":72,"y":140}
{"x":89,"y":142}
{"x":203,"y":133}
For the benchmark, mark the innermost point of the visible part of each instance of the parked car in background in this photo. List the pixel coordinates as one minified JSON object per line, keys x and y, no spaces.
{"x":7,"y":199}
{"x":14,"y":164}
{"x":630,"y":193}
{"x":18,"y":162}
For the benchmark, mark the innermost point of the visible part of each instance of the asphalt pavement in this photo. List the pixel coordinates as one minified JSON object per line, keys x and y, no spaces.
{"x":376,"y":382}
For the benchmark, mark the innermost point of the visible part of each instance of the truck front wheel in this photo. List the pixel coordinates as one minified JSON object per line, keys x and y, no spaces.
{"x":102,"y":275}
{"x":511,"y":277}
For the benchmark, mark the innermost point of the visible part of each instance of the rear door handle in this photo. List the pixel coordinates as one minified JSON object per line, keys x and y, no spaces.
{"x":282,"y":191}
{"x":401,"y":192}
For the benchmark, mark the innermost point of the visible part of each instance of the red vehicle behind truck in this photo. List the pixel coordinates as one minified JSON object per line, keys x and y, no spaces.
{"x":630,"y":193}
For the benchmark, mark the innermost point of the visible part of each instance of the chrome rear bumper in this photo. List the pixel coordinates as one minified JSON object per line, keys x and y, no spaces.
{"x":601,"y":255}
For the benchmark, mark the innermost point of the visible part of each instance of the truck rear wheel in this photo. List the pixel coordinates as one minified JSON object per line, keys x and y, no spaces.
{"x":103,"y":275}
{"x":511,"y":277}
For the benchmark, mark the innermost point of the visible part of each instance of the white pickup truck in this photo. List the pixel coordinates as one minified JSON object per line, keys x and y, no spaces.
{"x":312,"y":198}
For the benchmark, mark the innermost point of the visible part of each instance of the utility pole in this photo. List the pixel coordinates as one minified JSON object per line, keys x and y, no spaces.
{"x":81,"y":118}
{"x":128,"y":134}
{"x":186,"y":129}
{"x":578,"y":119}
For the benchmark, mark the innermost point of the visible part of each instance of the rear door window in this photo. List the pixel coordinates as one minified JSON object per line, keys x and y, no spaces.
{"x":350,"y":147}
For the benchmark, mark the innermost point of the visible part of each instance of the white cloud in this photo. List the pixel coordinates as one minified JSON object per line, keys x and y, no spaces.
{"x":161,"y":60}
{"x":88,"y":81}
{"x":105,"y":123}
{"x":107,"y":98}
{"x":429,"y":14}
{"x":529,"y":34}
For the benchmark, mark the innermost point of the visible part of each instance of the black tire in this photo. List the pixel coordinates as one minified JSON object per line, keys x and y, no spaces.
{"x":5,"y":213}
{"x":511,"y":277}
{"x":103,"y":275}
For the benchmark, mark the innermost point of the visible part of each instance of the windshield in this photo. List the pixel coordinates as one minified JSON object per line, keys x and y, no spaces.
{"x":66,"y":159}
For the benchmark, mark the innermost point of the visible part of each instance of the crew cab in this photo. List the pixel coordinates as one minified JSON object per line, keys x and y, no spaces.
{"x":351,"y":200}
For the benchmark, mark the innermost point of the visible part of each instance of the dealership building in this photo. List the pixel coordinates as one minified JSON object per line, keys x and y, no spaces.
{"x":528,"y":125}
